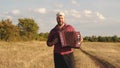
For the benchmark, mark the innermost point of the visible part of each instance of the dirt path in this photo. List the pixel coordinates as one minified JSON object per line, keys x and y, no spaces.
{"x":99,"y":62}
{"x":83,"y":61}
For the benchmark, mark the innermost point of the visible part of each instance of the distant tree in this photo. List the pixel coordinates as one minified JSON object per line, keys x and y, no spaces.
{"x":28,"y":28}
{"x":101,"y":39}
{"x":8,"y":31}
{"x":91,"y":39}
{"x":46,"y":35}
{"x":115,"y":38}
{"x":95,"y":39}
{"x":118,"y":39}
{"x":86,"y":38}
{"x":108,"y":39}
{"x":43,"y":36}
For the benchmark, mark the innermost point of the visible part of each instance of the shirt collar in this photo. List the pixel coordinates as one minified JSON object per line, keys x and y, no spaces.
{"x":57,"y":27}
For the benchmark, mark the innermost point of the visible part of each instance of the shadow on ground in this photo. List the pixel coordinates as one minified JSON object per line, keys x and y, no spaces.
{"x":100,"y":62}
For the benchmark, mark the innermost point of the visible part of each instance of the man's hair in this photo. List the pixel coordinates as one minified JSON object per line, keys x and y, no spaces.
{"x":60,"y":14}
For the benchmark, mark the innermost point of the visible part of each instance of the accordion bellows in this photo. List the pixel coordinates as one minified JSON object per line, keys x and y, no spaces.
{"x":71,"y":39}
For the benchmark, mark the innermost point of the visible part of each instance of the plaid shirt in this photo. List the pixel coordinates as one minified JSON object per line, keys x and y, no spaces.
{"x":54,"y":34}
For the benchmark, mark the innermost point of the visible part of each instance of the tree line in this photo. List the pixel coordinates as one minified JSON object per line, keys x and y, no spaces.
{"x":114,"y":38}
{"x":27,"y":30}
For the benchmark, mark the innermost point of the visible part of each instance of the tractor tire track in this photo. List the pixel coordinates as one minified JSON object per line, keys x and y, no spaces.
{"x":100,"y":62}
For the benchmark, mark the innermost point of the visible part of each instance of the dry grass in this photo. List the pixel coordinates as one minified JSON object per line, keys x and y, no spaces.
{"x":83,"y":61}
{"x":104,"y":51}
{"x":35,"y":54}
{"x":25,"y":55}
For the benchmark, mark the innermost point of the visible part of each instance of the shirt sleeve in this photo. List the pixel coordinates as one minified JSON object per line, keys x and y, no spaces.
{"x":70,"y":28}
{"x":50,"y":38}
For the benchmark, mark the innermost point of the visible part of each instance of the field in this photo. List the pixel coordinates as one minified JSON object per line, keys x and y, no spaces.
{"x":36,"y":54}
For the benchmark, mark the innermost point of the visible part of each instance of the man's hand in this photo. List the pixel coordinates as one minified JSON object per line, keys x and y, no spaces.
{"x":55,"y":40}
{"x":81,"y":39}
{"x":51,"y":43}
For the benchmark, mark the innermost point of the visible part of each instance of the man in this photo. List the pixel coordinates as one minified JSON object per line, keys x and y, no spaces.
{"x":63,"y":57}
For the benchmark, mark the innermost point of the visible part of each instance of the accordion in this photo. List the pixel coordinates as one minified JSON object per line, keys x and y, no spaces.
{"x":71,"y":39}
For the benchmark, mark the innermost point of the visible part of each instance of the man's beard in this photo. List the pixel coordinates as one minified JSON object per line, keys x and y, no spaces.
{"x":60,"y":23}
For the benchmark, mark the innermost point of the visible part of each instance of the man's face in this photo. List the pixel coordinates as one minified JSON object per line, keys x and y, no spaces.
{"x":60,"y":20}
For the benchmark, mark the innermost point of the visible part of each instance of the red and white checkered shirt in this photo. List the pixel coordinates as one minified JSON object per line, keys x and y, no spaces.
{"x":54,"y":33}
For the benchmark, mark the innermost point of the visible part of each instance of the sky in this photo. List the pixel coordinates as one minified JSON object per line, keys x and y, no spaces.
{"x":90,"y":17}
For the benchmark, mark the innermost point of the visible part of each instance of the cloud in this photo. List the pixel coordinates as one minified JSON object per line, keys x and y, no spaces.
{"x":88,"y":13}
{"x":100,"y":16}
{"x":75,"y":13}
{"x":93,"y":15}
{"x":40,"y":10}
{"x":75,"y":2}
{"x":7,"y":17}
{"x":5,"y":12}
{"x":58,"y":5}
{"x":85,"y":14}
{"x":15,"y":12}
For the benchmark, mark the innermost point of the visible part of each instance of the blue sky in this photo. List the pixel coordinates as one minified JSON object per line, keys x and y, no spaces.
{"x":90,"y":17}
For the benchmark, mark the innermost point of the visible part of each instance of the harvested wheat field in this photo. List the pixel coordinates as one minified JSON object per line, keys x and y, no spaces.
{"x":36,"y":54}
